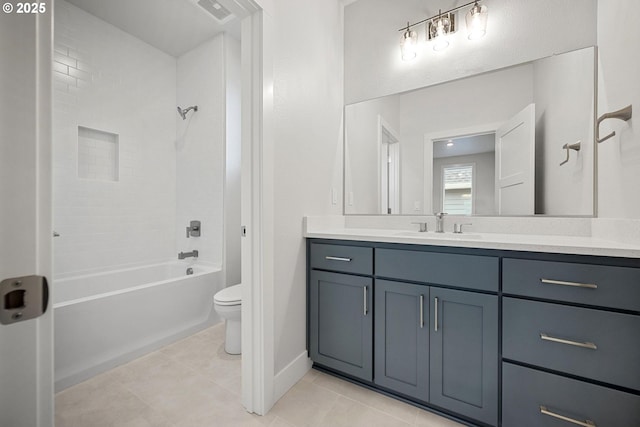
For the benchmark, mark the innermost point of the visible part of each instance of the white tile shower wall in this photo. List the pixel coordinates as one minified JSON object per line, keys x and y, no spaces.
{"x":200,"y":149}
{"x":108,"y":80}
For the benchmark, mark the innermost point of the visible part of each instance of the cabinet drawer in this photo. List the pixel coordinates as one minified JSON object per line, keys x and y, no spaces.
{"x":590,"y":343}
{"x":601,"y":285}
{"x":465,"y":271}
{"x":526,"y":393}
{"x":348,"y":259}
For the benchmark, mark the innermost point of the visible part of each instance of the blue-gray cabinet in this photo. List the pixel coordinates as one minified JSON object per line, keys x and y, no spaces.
{"x":402,"y":338}
{"x":571,"y":343}
{"x":551,"y":339}
{"x":464,"y":353}
{"x":341,"y":323}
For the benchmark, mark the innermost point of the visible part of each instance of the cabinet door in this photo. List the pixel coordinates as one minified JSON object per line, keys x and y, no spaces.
{"x":341,"y":323}
{"x":402,"y":338}
{"x":464,"y":353}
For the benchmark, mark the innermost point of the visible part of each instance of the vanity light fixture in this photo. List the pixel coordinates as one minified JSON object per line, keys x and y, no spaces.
{"x":439,"y":27}
{"x":477,"y":21}
{"x":409,"y":44}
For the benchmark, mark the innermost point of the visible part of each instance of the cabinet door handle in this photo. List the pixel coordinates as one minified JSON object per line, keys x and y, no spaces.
{"x":563,"y":283}
{"x":421,"y":311}
{"x":435,"y":315}
{"x":364,"y":301}
{"x":588,"y":345}
{"x":337,"y":258}
{"x":586,"y":423}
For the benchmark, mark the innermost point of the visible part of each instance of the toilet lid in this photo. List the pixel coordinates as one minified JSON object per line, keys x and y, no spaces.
{"x":229,"y":296}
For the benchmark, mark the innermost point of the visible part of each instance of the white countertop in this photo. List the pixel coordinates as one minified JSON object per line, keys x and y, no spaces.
{"x":579,"y":245}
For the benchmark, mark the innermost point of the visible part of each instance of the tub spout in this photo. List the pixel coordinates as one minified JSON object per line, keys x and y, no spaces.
{"x":183,"y":255}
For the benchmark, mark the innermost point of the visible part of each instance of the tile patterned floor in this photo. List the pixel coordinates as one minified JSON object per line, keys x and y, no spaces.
{"x":194,"y":383}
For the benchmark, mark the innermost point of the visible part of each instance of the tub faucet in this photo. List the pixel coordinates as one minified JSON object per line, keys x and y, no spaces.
{"x":183,"y":255}
{"x":440,"y":222}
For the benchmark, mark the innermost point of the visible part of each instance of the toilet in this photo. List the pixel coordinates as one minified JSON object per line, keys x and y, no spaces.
{"x":228,"y":304}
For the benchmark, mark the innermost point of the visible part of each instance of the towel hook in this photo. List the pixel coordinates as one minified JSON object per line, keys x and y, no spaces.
{"x":574,"y":146}
{"x":622,"y":114}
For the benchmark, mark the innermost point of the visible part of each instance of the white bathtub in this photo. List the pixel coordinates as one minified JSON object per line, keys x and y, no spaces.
{"x":103,"y":320}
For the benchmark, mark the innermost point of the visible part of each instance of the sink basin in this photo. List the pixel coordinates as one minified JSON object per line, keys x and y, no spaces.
{"x":439,"y":236}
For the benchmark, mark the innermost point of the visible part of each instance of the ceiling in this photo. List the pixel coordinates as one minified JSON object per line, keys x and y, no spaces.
{"x":465,"y":146}
{"x":173,"y":26}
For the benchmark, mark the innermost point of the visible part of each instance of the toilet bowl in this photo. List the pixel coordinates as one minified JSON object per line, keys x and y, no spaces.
{"x":228,"y":304}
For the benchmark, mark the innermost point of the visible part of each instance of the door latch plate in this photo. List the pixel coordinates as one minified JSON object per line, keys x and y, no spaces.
{"x":23,"y":298}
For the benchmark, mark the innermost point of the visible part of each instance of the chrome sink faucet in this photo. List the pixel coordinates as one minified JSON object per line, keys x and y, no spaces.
{"x":440,"y":222}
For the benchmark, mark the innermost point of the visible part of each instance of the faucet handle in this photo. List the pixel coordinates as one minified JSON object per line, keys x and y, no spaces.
{"x":457,"y":228}
{"x":423,"y":226}
{"x":440,"y":215}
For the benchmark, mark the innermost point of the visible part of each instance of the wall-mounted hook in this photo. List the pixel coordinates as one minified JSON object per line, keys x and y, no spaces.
{"x":623,"y":114}
{"x":575,"y":146}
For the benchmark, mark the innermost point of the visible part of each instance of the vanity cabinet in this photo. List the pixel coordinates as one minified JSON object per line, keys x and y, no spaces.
{"x":432,"y":344}
{"x":571,"y":344}
{"x":551,"y":339}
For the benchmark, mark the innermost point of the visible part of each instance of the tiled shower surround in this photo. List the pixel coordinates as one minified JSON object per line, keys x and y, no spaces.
{"x":109,"y":81}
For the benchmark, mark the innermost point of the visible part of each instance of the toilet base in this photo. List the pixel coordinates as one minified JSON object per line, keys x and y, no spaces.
{"x":233,"y":334}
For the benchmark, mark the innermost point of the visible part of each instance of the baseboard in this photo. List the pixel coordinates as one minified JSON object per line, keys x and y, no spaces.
{"x":290,"y":374}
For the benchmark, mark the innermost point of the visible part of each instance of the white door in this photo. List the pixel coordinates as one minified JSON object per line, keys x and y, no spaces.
{"x":515,"y":164}
{"x":26,"y":347}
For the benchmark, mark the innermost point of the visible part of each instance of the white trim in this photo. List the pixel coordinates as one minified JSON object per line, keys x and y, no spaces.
{"x":291,"y":374}
{"x":385,"y":128}
{"x":257,"y":209}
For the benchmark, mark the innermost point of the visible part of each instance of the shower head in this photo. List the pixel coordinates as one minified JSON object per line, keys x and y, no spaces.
{"x":183,"y":113}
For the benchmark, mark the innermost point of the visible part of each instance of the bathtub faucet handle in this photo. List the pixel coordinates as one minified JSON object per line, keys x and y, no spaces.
{"x":193,"y":229}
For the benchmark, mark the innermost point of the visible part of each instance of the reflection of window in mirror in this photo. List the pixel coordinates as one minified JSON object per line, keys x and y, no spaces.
{"x":457,"y":189}
{"x":463,"y":179}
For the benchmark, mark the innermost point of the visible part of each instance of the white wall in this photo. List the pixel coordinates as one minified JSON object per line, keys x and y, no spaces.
{"x":564,"y":96}
{"x":517,"y":31}
{"x":200,"y":149}
{"x":619,"y":68}
{"x":233,"y":161}
{"x":108,"y":80}
{"x":362,"y":150}
{"x":308,"y":101}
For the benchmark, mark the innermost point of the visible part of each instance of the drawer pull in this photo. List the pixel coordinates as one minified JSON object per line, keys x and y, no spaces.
{"x":337,"y":258}
{"x":421,"y":311}
{"x":563,"y":283}
{"x":588,"y":345}
{"x":435,"y":315}
{"x":587,"y":423}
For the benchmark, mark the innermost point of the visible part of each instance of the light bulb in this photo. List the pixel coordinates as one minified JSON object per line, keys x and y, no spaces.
{"x":409,"y":44}
{"x":477,"y":21}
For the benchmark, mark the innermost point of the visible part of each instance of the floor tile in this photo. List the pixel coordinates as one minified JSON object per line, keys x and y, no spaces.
{"x":350,"y":413}
{"x":305,"y":404}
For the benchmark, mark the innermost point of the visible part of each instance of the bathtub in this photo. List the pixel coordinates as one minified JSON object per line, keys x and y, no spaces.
{"x":103,"y":320}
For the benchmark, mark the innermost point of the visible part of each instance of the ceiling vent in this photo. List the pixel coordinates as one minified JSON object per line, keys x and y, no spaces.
{"x":218,"y":11}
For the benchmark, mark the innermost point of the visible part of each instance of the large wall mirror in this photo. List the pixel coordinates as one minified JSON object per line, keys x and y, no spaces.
{"x":515,"y":141}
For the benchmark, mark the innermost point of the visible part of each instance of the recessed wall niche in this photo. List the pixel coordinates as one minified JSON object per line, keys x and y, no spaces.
{"x":97,"y":154}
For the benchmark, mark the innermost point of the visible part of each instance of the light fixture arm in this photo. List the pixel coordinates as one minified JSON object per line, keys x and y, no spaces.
{"x":438,"y":15}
